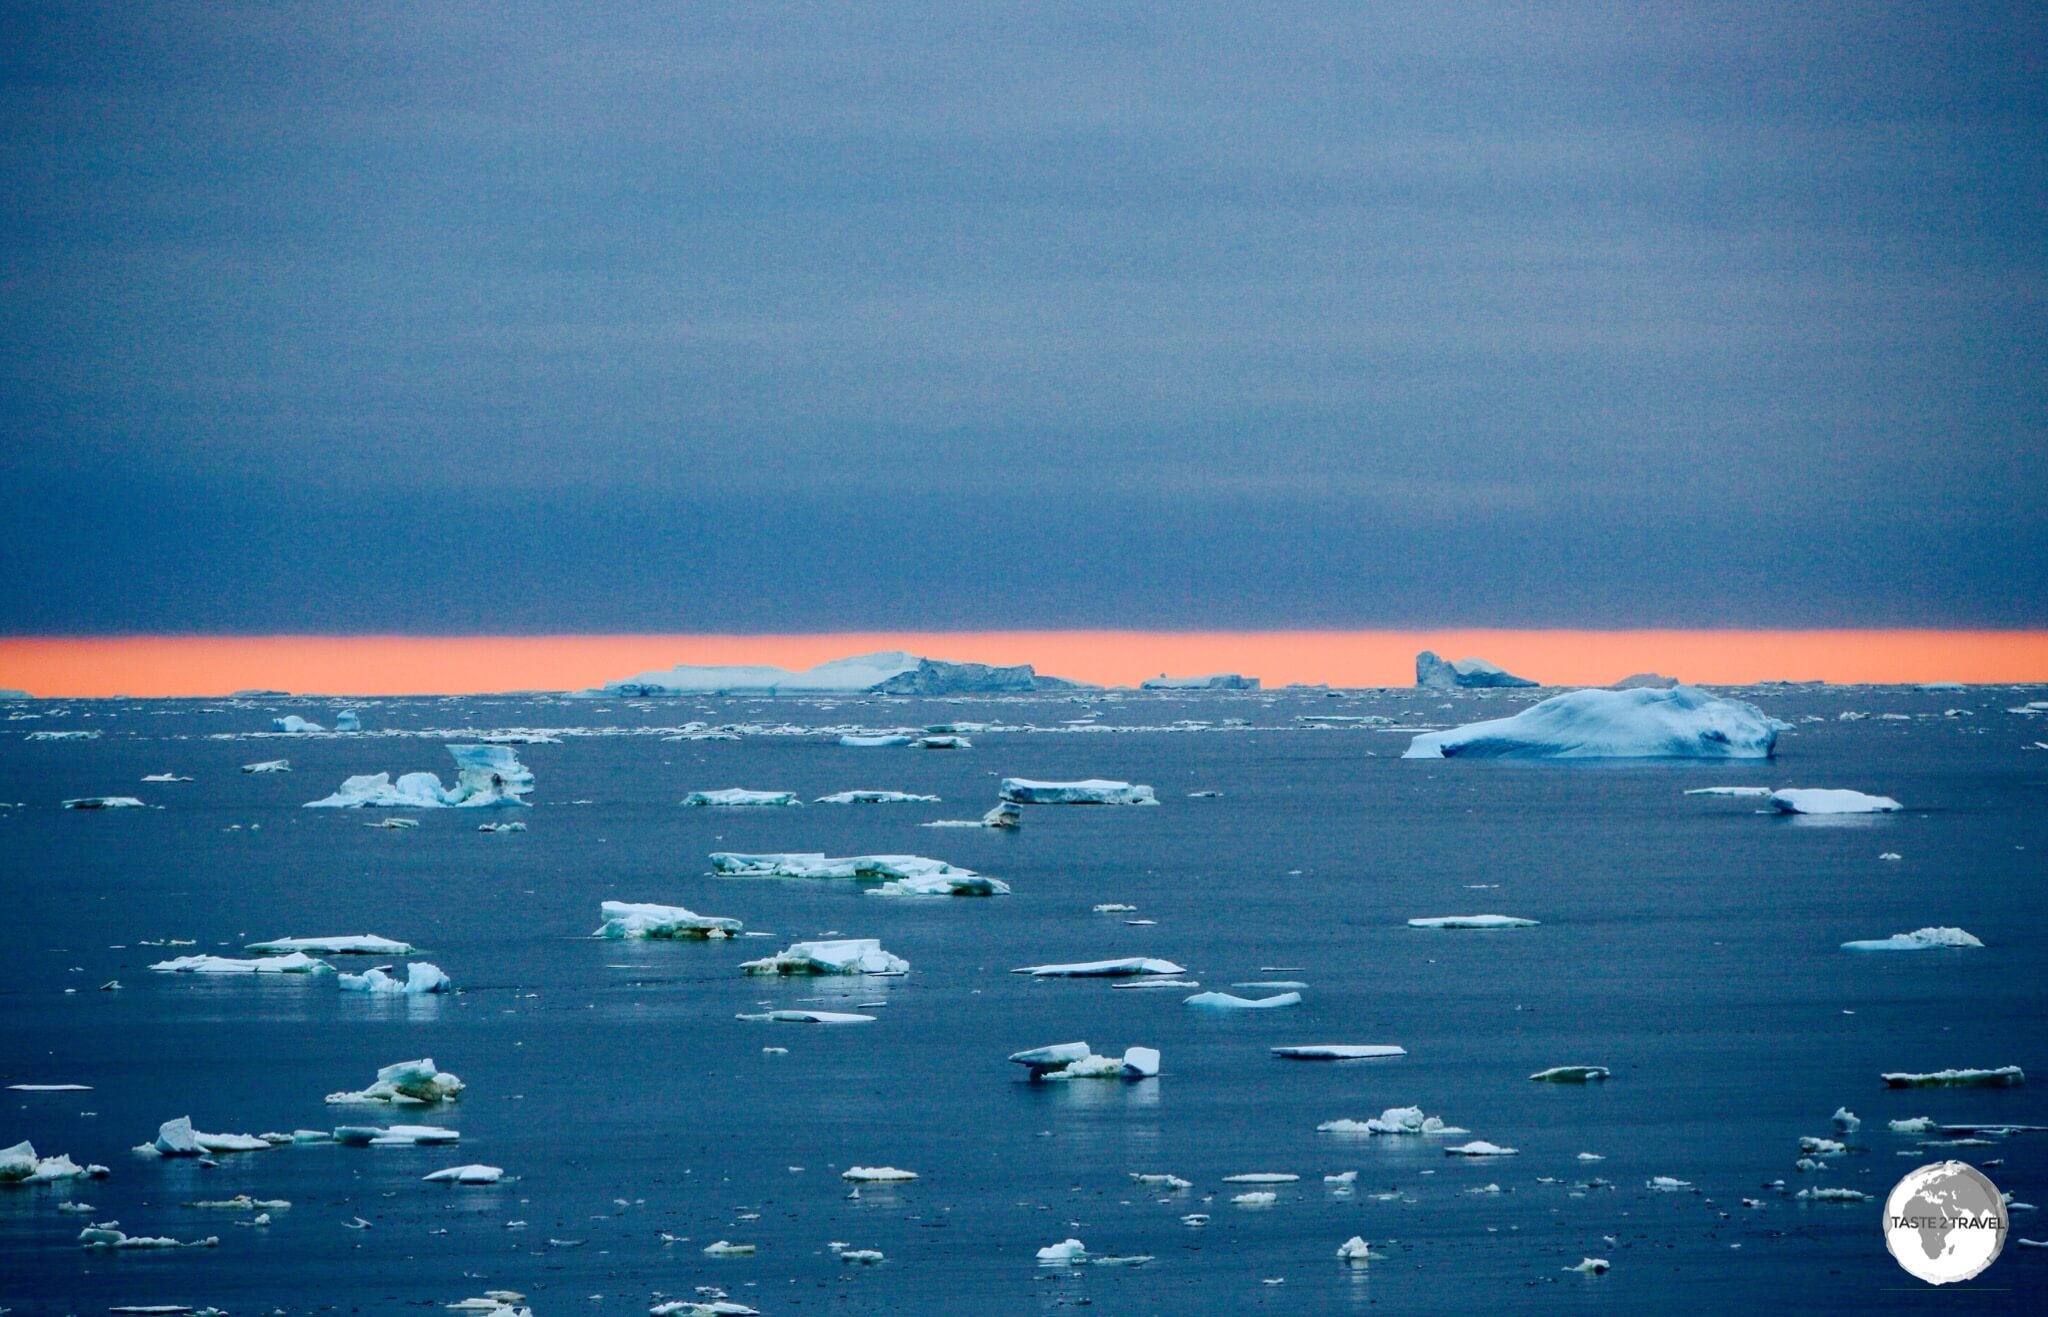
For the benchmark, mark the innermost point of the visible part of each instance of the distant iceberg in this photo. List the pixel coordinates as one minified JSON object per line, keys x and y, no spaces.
{"x":351,"y":944}
{"x":1215,"y":681}
{"x":742,"y":798}
{"x":295,"y":724}
{"x":891,"y":672}
{"x":626,"y":919}
{"x":1472,"y":921}
{"x":1826,"y":800}
{"x":348,"y":720}
{"x":845,"y":956}
{"x":1681,"y":723}
{"x":899,"y":875}
{"x":1433,"y":673}
{"x":1920,"y":939}
{"x":1092,"y":791}
{"x":486,"y":775}
{"x":875,"y":798}
{"x":1646,"y":681}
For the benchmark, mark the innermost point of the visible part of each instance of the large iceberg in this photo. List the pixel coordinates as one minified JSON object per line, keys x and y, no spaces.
{"x":1215,"y":681}
{"x":485,"y":775}
{"x":860,"y":955}
{"x":890,"y":672}
{"x":1091,"y":791}
{"x":1433,"y":673}
{"x":627,"y":919}
{"x":1681,"y":723}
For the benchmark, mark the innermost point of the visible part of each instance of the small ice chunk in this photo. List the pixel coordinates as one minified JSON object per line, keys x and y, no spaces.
{"x":1828,"y":800}
{"x":1163,"y":1181}
{"x":1665,"y":1184}
{"x":1825,"y":1195}
{"x":420,"y":979}
{"x":1337,"y":1051}
{"x":943,"y":743}
{"x":20,"y":1165}
{"x":1570,"y":1074}
{"x":269,"y":766}
{"x":107,"y":1234}
{"x":2010,"y":1076}
{"x":1129,"y":967}
{"x":406,"y":1083}
{"x":1394,"y":1120}
{"x":845,"y":956}
{"x":877,"y":1174}
{"x":1256,"y":1198}
{"x":1742,"y":792}
{"x":471,"y":1174}
{"x":1091,"y":791}
{"x":810,"y":1017}
{"x":1592,"y":1267}
{"x":1054,"y":1057}
{"x":1847,"y":1121}
{"x":1913,"y":1125}
{"x":1223,"y":1001}
{"x":394,"y":1136}
{"x":626,"y":919}
{"x":1065,"y":1253}
{"x":742,"y":798}
{"x":1920,"y":939}
{"x":725,"y":1248}
{"x":853,"y":741}
{"x":292,"y":723}
{"x":1356,"y":1249}
{"x":1003,"y":814}
{"x":1471,"y":921}
{"x":1479,"y":1148}
{"x":1263,"y":1177}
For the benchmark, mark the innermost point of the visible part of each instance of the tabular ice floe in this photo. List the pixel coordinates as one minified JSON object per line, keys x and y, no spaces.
{"x":107,"y":1234}
{"x":164,"y":777}
{"x":1827,"y":800}
{"x":628,"y":919}
{"x":899,"y":875}
{"x":298,"y":962}
{"x":104,"y":802}
{"x":292,"y":723}
{"x":943,"y":743}
{"x":420,"y":980}
{"x":1738,"y":792}
{"x":177,"y":1138}
{"x":1570,"y":1074}
{"x":854,"y":741}
{"x":406,"y":1083}
{"x":1063,"y":1061}
{"x":741,"y":798}
{"x":1681,"y":723}
{"x":694,"y":1308}
{"x":20,"y":1165}
{"x":1920,"y":939}
{"x":472,"y":1174}
{"x":2010,"y":1076}
{"x":395,"y":1136}
{"x":1224,"y":1001}
{"x":486,"y":776}
{"x":1129,"y":967}
{"x":1263,"y":1177}
{"x":846,"y":956}
{"x":1255,"y":1198}
{"x":1472,"y":921}
{"x":1161,"y":1180}
{"x":1392,"y":1121}
{"x":875,"y":798}
{"x":1666,"y":1184}
{"x":810,"y":1017}
{"x":1480,"y":1148}
{"x":1091,"y":791}
{"x":269,"y":766}
{"x":349,"y":944}
{"x":877,"y":1174}
{"x":1337,"y":1051}
{"x":1832,"y":1196}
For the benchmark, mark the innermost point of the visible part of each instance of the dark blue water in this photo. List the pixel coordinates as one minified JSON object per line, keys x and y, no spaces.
{"x":1687,"y":943}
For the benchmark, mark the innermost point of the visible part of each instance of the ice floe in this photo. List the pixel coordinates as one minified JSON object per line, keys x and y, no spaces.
{"x":1129,"y":967}
{"x":104,"y":802}
{"x":1681,"y":723}
{"x":810,"y":1017}
{"x":395,"y":1136}
{"x":1355,"y":1249}
{"x":1337,"y":1051}
{"x":298,"y":962}
{"x":875,"y":798}
{"x":1479,"y":1148}
{"x":627,"y":919}
{"x":177,"y":1138}
{"x":20,"y":1165}
{"x":1827,"y":1195}
{"x":350,"y":944}
{"x":406,"y":1083}
{"x":1920,"y":939}
{"x":1570,"y":1074}
{"x":1738,"y":792}
{"x":1065,"y":1253}
{"x":292,"y":723}
{"x":269,"y":766}
{"x":1828,"y":800}
{"x":844,"y":956}
{"x":1592,"y":1267}
{"x":475,"y":1173}
{"x":1392,"y":1121}
{"x":108,"y":1234}
{"x":2010,"y":1076}
{"x":1064,"y":1061}
{"x":853,"y":741}
{"x":740,"y":797}
{"x":348,"y":720}
{"x":1091,"y":791}
{"x":877,"y":1174}
{"x":486,"y":775}
{"x":420,"y":980}
{"x":1224,"y":1001}
{"x":898,"y":875}
{"x":1472,"y":921}
{"x":164,"y":777}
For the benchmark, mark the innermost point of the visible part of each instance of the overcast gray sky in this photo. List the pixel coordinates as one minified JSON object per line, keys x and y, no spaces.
{"x":758,"y":317}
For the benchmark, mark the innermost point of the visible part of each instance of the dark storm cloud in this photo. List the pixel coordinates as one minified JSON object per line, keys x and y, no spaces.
{"x":760,"y":317}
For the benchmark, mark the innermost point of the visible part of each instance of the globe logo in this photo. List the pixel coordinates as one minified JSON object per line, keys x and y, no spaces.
{"x":1945,"y":1222}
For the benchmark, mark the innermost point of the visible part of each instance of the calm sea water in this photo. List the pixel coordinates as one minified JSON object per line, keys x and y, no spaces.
{"x":1687,"y":943}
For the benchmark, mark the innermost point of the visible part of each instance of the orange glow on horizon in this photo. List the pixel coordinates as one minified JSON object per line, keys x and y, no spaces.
{"x":143,"y":666}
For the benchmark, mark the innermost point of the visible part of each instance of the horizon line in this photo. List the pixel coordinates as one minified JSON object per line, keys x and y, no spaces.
{"x":154,"y":665}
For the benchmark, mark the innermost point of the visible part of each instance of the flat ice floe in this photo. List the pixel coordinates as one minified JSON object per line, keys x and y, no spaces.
{"x":1224,"y":1001}
{"x":854,"y":741}
{"x":899,"y":875}
{"x":2010,"y":1076}
{"x":875,"y":798}
{"x":395,"y":1136}
{"x":269,"y":766}
{"x":1570,"y":1074}
{"x":627,"y":919}
{"x":1090,"y":791}
{"x":420,"y":980}
{"x":1828,"y":800}
{"x":475,"y":1173}
{"x":1472,"y":921}
{"x":1065,"y":1061}
{"x":177,"y":1138}
{"x":740,"y":797}
{"x":406,"y":1083}
{"x":108,"y":1234}
{"x":1740,"y":792}
{"x":20,"y":1165}
{"x":1129,"y":967}
{"x":351,"y":944}
{"x":877,"y":1174}
{"x":1479,"y":1148}
{"x":486,"y":775}
{"x":844,"y":956}
{"x":104,"y":802}
{"x":1392,"y":1121}
{"x":810,"y":1017}
{"x":1681,"y":723}
{"x":1920,"y":939}
{"x":298,"y":962}
{"x":1832,"y":1195}
{"x":1337,"y":1051}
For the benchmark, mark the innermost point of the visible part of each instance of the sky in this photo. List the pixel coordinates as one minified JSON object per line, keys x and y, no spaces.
{"x":769,"y":318}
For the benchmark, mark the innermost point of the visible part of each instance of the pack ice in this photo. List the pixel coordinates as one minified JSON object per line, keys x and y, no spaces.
{"x":1827,"y":800}
{"x":626,"y":919}
{"x":858,"y":955}
{"x":1681,"y":723}
{"x":1091,"y":791}
{"x":485,"y":775}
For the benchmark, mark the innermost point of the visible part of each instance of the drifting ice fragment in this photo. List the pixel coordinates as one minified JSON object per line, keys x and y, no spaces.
{"x":1479,"y":1148}
{"x":899,"y":875}
{"x":625,"y":919}
{"x":408,"y":1083}
{"x":177,"y":1138}
{"x":1847,"y":1121}
{"x":1913,"y":1125}
{"x":1256,"y":1198}
{"x":1394,"y":1120}
{"x":2009,"y":1076}
{"x":1681,"y":723}
{"x":1665,"y":1184}
{"x":1471,"y":921}
{"x":472,"y":1174}
{"x":420,"y":980}
{"x":1570,"y":1074}
{"x":846,"y":956}
{"x":486,"y":775}
{"x":1826,"y":800}
{"x":348,"y":720}
{"x":1356,"y":1249}
{"x":1223,"y":1001}
{"x":107,"y":1235}
{"x":104,"y":802}
{"x":727,"y":1249}
{"x":291,"y":722}
{"x":855,"y":742}
{"x":1337,"y":1052}
{"x":394,"y":1136}
{"x":1592,"y":1267}
{"x":358,"y":944}
{"x":20,"y":1165}
{"x":296,"y":963}
{"x":1065,"y":1253}
{"x":876,"y":1174}
{"x":1920,"y":939}
{"x":810,"y":1017}
{"x":1832,"y":1195}
{"x":269,"y":766}
{"x":1092,"y":791}
{"x":874,"y":798}
{"x":1127,"y":968}
{"x":738,"y":796}
{"x":1758,"y":792}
